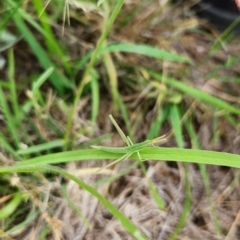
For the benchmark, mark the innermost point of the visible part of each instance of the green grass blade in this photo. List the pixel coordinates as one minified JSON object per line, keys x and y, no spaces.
{"x":146,"y":50}
{"x":41,"y":79}
{"x":9,"y":209}
{"x":36,"y":93}
{"x":196,"y":93}
{"x":192,"y":134}
{"x":175,"y":120}
{"x":142,"y":49}
{"x":113,"y":80}
{"x":9,"y":118}
{"x":153,"y":153}
{"x":157,"y":123}
{"x":16,"y":109}
{"x":12,"y":86}
{"x":125,"y":116}
{"x":42,"y":147}
{"x":157,"y":198}
{"x":121,"y":133}
{"x":95,"y":96}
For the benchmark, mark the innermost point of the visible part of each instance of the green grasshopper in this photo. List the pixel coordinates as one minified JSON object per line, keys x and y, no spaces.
{"x":130,"y":148}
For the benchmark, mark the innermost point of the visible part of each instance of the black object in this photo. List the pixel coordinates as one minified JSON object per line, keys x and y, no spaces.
{"x":220,"y":13}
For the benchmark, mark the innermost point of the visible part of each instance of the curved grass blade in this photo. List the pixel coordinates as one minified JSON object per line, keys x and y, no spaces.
{"x":196,"y":93}
{"x":143,"y":49}
{"x":146,"y":50}
{"x":41,"y":147}
{"x":153,"y":153}
{"x":95,"y":96}
{"x":158,"y":122}
{"x":9,"y":209}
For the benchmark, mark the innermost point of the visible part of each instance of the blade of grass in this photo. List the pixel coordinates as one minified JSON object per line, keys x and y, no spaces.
{"x":9,"y":118}
{"x":175,"y":121}
{"x":95,"y":96}
{"x":153,"y":153}
{"x":12,"y":86}
{"x":41,"y":147}
{"x":36,"y":93}
{"x":145,"y":50}
{"x":94,"y":141}
{"x":121,"y":133}
{"x":196,"y":93}
{"x":39,"y":82}
{"x":41,"y":79}
{"x":17,"y":110}
{"x":157,"y":123}
{"x":215,"y":130}
{"x":9,"y":208}
{"x":113,"y":81}
{"x":125,"y":116}
{"x":110,"y":67}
